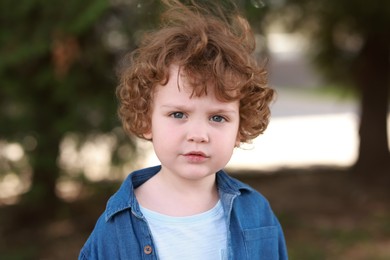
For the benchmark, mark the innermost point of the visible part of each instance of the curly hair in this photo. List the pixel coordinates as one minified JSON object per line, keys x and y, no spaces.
{"x":213,"y":50}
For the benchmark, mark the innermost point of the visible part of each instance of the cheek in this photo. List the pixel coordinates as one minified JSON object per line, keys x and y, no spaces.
{"x":163,"y":133}
{"x":228,"y":138}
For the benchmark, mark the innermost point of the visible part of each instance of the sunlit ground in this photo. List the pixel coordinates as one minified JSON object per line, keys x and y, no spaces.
{"x":302,"y":141}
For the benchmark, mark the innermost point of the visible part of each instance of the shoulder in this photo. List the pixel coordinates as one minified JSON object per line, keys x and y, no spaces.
{"x":251,"y":206}
{"x":115,"y":226}
{"x":252,"y":199}
{"x":100,"y":241}
{"x":232,"y":185}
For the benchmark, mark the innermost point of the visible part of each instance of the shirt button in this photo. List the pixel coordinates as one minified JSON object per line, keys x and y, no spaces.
{"x":148,"y":250}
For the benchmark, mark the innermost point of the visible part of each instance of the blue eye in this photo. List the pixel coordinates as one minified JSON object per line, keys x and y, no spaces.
{"x":178,"y":115}
{"x":218,"y":119}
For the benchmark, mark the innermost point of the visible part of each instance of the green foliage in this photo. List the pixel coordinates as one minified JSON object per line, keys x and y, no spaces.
{"x":53,"y":66}
{"x":57,"y":75}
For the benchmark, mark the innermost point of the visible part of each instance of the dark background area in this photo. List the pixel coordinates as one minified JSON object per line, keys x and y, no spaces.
{"x":63,"y":153}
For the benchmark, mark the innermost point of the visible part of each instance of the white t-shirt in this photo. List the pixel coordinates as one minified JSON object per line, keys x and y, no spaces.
{"x":202,"y":236}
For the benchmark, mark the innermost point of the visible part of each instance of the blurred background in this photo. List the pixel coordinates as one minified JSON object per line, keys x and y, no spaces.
{"x":324,"y":161}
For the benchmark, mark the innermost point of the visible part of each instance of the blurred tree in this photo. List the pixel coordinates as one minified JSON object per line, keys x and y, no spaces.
{"x":56,"y":75}
{"x":351,"y":44}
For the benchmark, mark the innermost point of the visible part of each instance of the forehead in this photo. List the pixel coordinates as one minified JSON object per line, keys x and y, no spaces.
{"x":180,"y":84}
{"x":224,"y":87}
{"x":178,"y":90}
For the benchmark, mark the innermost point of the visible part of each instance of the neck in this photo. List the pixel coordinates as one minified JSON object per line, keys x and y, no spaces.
{"x":174,"y":196}
{"x":187,"y":187}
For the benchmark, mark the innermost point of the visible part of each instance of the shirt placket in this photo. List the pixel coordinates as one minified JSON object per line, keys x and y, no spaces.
{"x":149,"y":251}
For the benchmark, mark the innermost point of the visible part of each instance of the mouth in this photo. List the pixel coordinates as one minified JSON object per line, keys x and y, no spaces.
{"x":196,"y":154}
{"x":196,"y":157}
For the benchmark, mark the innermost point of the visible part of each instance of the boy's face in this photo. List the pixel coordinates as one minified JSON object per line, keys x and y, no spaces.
{"x":193,"y":137}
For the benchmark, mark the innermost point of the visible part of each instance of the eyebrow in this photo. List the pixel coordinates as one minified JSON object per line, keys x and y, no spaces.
{"x":187,"y":108}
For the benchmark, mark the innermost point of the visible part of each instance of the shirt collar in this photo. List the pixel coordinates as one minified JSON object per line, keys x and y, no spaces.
{"x":124,"y":198}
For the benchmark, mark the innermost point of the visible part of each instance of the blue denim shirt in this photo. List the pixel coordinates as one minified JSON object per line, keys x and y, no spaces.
{"x":122,"y":232}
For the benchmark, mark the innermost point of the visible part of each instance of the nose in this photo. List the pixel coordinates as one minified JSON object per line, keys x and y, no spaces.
{"x":197,"y":134}
{"x":198,"y":139}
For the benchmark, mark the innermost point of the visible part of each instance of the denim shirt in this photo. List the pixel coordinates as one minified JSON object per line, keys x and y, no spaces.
{"x":122,"y":232}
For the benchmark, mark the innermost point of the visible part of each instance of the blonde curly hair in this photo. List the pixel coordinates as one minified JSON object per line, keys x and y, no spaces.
{"x":212,"y":49}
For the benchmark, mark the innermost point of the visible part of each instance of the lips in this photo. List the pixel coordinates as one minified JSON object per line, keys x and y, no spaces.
{"x":196,"y":156}
{"x":200,"y":154}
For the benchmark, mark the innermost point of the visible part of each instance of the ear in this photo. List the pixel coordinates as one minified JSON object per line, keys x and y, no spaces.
{"x":238,"y":141}
{"x":148,"y":135}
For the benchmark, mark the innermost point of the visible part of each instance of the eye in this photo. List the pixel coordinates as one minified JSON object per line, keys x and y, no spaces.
{"x":218,"y":119}
{"x":179,"y":115}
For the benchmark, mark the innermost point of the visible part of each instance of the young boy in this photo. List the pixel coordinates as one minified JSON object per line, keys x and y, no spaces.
{"x":194,"y":90}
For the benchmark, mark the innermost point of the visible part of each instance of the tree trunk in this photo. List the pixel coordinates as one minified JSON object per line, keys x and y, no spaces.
{"x":45,"y":173}
{"x":44,"y":158}
{"x":373,"y":80}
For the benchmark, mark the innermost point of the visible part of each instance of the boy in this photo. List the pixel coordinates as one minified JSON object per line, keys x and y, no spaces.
{"x":194,"y":90}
